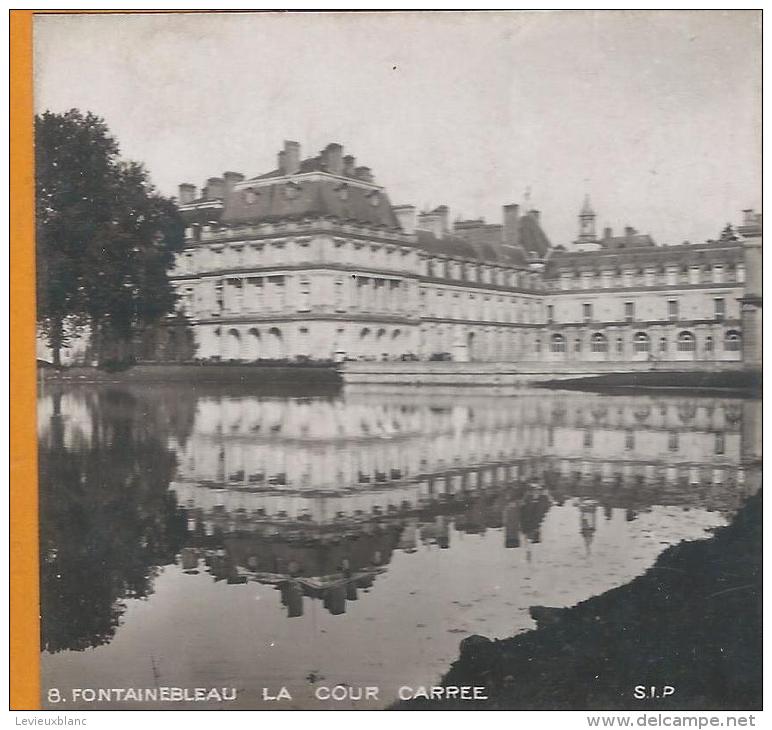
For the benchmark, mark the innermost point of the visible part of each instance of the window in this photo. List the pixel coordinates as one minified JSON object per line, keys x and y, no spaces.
{"x":720,"y":443}
{"x":550,"y":314}
{"x":587,"y":312}
{"x":629,"y":440}
{"x":588,"y":439}
{"x":663,"y":344}
{"x":719,"y":309}
{"x":686,"y":342}
{"x":629,"y":311}
{"x":558,"y":343}
{"x":732,"y":341}
{"x":278,"y":297}
{"x":219,"y":296}
{"x":578,"y":346}
{"x":599,"y":343}
{"x":620,"y":345}
{"x":305,"y":295}
{"x":708,"y":344}
{"x":338,"y":294}
{"x":641,"y":342}
{"x":537,"y":345}
{"x":672,"y":309}
{"x":257,"y":293}
{"x":672,"y":441}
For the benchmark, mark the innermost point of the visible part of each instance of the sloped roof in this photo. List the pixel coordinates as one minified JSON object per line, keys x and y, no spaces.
{"x":480,"y":249}
{"x":532,"y":237}
{"x":308,"y":199}
{"x":730,"y":252}
{"x":635,"y":240}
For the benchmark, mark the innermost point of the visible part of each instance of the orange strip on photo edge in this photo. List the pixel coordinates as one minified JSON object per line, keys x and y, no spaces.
{"x":24,"y":639}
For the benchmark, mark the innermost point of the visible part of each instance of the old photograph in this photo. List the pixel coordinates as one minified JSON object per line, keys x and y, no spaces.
{"x":399,"y":360}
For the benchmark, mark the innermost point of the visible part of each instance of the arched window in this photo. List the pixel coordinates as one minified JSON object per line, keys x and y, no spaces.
{"x":732,"y":341}
{"x":558,"y":343}
{"x":233,"y":345}
{"x":641,"y":342}
{"x":599,"y":343}
{"x":686,"y":342}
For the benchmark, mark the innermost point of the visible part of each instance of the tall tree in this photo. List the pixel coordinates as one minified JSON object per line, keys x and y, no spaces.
{"x":105,"y":237}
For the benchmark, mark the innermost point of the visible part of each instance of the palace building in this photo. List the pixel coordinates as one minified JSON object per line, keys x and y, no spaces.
{"x":312,"y":261}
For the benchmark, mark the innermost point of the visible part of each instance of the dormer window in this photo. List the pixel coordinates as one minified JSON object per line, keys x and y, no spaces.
{"x":374,"y":198}
{"x":250,"y":196}
{"x":291,"y":190}
{"x":342,"y":191}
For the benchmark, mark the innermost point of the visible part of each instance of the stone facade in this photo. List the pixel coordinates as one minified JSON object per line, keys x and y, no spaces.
{"x":312,"y":261}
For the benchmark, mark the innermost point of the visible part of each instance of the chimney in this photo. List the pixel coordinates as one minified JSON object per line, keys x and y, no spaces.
{"x":215,"y":187}
{"x":333,"y":157}
{"x":511,"y":231}
{"x":608,"y":234}
{"x":291,"y":158}
{"x":406,"y":217}
{"x":629,"y":231}
{"x":363,"y":173}
{"x":443,"y":214}
{"x":349,"y":165}
{"x":187,"y":193}
{"x":434,"y":221}
{"x":231,"y":178}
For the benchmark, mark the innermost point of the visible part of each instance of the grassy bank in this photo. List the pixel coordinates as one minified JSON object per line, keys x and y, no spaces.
{"x":744,"y":383}
{"x":692,"y":621}
{"x":305,"y":374}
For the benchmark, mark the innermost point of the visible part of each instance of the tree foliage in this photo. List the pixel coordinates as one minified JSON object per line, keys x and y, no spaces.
{"x":106,"y":238}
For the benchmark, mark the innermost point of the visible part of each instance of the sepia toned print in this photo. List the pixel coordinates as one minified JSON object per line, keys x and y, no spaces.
{"x":418,"y":420}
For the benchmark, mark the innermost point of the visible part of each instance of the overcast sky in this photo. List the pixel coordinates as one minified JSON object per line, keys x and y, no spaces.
{"x":655,"y":114}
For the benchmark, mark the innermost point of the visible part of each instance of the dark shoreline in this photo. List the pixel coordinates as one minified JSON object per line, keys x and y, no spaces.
{"x":732,"y":383}
{"x":740,"y":384}
{"x":692,"y":621}
{"x":281,"y":376}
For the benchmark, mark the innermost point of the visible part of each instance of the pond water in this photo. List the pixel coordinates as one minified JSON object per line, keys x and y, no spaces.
{"x":208,"y":538}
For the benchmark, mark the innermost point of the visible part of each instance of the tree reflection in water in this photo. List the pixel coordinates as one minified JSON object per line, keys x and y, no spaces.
{"x":107,"y":518}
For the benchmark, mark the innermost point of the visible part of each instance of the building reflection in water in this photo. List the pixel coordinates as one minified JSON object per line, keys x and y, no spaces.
{"x":314,"y":496}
